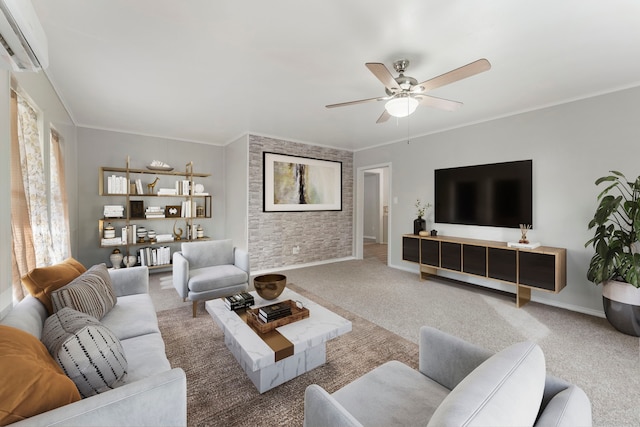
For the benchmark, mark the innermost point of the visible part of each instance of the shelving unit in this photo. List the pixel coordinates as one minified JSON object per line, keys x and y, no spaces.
{"x":543,"y":268}
{"x":130,"y":192}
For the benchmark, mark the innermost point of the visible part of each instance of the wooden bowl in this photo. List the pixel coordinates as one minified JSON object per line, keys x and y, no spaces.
{"x":270,"y":286}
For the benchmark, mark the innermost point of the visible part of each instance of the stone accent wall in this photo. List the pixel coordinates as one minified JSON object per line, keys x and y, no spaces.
{"x":321,"y":235}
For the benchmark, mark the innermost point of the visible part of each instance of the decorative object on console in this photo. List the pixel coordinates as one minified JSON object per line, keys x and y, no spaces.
{"x":270,"y":286}
{"x":434,"y":232}
{"x":116,"y":258}
{"x":420,"y":224}
{"x":423,"y":233}
{"x":616,"y":263}
{"x":523,"y":231}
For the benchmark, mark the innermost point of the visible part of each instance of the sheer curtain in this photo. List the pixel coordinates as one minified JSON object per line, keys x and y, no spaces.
{"x":59,"y":211}
{"x":38,"y":238}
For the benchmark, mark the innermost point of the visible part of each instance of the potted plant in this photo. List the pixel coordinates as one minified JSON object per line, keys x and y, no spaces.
{"x":616,"y":261}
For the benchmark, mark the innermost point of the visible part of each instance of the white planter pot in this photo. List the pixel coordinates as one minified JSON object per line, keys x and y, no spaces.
{"x":621,"y":303}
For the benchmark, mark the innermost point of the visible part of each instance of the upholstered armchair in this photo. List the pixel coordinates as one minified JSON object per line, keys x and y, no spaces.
{"x":210,"y":269}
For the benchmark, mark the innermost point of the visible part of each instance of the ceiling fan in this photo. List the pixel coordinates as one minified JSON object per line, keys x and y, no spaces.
{"x":404,"y":93}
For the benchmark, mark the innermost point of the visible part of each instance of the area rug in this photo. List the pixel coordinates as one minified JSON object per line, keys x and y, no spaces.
{"x":220,"y":394}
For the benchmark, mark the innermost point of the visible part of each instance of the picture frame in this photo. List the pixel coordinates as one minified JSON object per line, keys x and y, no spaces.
{"x":136,"y":209}
{"x":173,"y":211}
{"x":300,"y":184}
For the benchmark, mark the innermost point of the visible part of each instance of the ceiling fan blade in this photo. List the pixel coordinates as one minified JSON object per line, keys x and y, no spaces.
{"x":383,"y":117}
{"x":443,"y":104}
{"x":360,"y":101}
{"x":463,"y":72}
{"x":384,"y":75}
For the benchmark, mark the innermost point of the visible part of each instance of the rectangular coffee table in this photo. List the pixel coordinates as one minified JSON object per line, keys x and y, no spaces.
{"x":259,"y":360}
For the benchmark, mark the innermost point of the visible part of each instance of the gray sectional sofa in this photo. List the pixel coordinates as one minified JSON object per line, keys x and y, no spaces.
{"x":152,"y":393}
{"x":457,"y":384}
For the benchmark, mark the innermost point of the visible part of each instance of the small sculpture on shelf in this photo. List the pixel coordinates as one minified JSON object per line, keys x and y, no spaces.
{"x":151,"y":187}
{"x":177,"y":233}
{"x":116,"y":258}
{"x":523,"y":230}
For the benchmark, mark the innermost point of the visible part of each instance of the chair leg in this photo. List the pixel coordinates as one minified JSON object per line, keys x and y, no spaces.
{"x":195,"y":308}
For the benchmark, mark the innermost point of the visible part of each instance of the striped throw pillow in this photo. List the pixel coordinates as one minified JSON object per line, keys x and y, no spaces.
{"x":91,"y":293}
{"x":88,"y":352}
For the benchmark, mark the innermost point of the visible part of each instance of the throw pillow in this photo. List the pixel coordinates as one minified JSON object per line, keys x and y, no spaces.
{"x":88,"y":352}
{"x":505,"y":390}
{"x":91,"y":293}
{"x":41,"y":281}
{"x":32,"y":382}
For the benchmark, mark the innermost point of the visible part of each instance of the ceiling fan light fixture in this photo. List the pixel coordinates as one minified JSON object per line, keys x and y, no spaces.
{"x":402,"y":106}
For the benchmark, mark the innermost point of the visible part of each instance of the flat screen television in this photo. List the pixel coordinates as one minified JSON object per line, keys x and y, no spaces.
{"x":497,"y":194}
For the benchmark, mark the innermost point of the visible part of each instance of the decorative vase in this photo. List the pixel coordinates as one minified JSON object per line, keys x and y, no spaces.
{"x":116,"y":258}
{"x":142,"y":234}
{"x":109,"y":231}
{"x":419,"y":224}
{"x":130,"y":261}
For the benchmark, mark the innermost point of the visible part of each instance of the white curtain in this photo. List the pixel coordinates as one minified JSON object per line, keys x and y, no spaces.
{"x":59,"y":213}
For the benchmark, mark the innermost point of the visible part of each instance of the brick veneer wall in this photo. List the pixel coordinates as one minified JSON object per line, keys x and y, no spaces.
{"x":320,"y":235}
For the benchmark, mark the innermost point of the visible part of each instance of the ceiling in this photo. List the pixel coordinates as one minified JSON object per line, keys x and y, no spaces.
{"x":211,"y":71}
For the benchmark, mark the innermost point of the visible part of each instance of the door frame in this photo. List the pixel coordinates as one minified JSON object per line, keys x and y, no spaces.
{"x":359,"y":212}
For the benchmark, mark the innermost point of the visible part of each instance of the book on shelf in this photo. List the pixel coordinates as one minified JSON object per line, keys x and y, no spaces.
{"x":113,"y":211}
{"x":114,"y":241}
{"x":117,"y":184}
{"x":167,"y":192}
{"x":139,"y":186}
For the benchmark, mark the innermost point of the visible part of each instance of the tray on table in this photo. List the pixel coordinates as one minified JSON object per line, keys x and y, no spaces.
{"x":296,"y":314}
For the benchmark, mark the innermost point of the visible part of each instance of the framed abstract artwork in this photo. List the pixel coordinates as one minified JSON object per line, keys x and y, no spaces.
{"x":296,"y":184}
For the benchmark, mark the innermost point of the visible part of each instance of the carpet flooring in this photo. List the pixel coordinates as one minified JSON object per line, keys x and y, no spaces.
{"x":582,"y":349}
{"x":220,"y":394}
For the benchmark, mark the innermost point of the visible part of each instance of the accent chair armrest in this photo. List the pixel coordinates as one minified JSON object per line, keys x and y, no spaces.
{"x":568,"y":408}
{"x":159,"y":400}
{"x":322,"y":410}
{"x":130,"y":281}
{"x":181,"y":274}
{"x":447,"y":359}
{"x":241,"y":259}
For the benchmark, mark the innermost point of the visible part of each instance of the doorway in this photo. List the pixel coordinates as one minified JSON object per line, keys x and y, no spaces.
{"x":372,"y":232}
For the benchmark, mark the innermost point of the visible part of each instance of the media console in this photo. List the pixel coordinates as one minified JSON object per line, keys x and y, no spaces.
{"x":543,"y":268}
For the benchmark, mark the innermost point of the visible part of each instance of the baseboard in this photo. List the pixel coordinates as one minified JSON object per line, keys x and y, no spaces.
{"x":534,"y":298}
{"x":296,"y":266}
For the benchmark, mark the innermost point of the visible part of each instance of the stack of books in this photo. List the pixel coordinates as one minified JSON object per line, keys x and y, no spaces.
{"x":113,"y":211}
{"x":154,"y":212}
{"x":238,"y":301}
{"x":167,"y":192}
{"x":273,"y":312}
{"x":160,"y":238}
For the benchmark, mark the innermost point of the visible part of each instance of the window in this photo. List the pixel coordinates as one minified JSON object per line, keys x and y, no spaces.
{"x":39,"y":219}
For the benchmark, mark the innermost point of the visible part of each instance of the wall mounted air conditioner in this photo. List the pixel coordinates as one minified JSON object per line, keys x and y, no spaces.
{"x":23,"y":43}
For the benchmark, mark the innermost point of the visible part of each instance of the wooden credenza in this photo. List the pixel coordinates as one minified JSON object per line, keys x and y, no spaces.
{"x":543,"y":268}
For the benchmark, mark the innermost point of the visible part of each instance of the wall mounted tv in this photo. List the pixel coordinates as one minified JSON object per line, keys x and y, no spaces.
{"x":497,"y":195}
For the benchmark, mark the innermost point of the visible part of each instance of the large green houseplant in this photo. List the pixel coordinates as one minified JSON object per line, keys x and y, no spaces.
{"x":616,"y":261}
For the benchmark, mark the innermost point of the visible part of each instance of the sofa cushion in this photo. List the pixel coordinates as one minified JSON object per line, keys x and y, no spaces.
{"x":41,"y":281}
{"x":32,"y":382}
{"x":91,"y":293}
{"x":88,"y":352}
{"x":134,"y":315}
{"x":505,"y":390}
{"x":146,"y":356}
{"x":208,"y":253}
{"x":217,"y":277}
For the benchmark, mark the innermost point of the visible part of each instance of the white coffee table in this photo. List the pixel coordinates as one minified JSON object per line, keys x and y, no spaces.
{"x":308,"y":336}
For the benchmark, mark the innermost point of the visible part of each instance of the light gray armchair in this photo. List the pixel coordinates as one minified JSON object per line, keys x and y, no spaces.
{"x":210,"y":269}
{"x":457,"y":384}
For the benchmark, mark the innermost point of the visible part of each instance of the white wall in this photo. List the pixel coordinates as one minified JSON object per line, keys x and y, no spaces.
{"x":571,"y":146}
{"x":236,"y":172}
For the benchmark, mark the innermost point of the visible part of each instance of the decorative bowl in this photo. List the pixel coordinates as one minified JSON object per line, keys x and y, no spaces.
{"x":270,"y":286}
